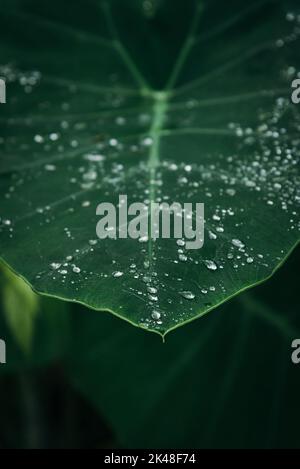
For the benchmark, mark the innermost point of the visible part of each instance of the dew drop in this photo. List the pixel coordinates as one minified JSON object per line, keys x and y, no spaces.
{"x":54,"y":137}
{"x":93,"y":242}
{"x":180,"y":242}
{"x":230,"y":192}
{"x":38,"y":139}
{"x":94,"y":157}
{"x":86,"y":203}
{"x":117,"y":274}
{"x":188,"y":295}
{"x":113,"y":142}
{"x":182,"y":258}
{"x":237,"y":243}
{"x":147,"y":141}
{"x":212,"y":235}
{"x":50,"y":167}
{"x":156,"y":315}
{"x":153,"y":298}
{"x":211,"y":265}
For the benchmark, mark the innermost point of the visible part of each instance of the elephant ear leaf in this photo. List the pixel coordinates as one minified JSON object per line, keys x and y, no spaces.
{"x":161,"y":102}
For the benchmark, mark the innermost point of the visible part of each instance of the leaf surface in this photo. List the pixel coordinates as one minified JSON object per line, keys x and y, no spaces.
{"x":160,"y":101}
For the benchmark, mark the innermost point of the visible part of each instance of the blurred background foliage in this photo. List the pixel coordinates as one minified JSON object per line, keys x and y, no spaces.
{"x":84,"y":379}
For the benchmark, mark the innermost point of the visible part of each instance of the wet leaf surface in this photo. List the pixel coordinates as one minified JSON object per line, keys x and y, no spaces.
{"x":197,"y":113}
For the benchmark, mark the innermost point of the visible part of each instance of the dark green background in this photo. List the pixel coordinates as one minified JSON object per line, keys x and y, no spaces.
{"x":91,"y":380}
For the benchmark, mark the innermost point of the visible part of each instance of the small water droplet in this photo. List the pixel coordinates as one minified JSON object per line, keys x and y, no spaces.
{"x":237,"y":243}
{"x":188,"y":295}
{"x":120,"y":120}
{"x":113,"y":142}
{"x":180,"y":242}
{"x":117,"y":274}
{"x":38,"y":139}
{"x":153,"y":298}
{"x":146,"y":279}
{"x":182,"y":258}
{"x":156,"y":315}
{"x":50,"y":167}
{"x":147,"y":141}
{"x":94,"y":157}
{"x":230,"y":192}
{"x":54,"y":137}
{"x":211,"y":265}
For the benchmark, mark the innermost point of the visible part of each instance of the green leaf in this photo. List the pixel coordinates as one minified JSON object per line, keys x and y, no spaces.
{"x":49,"y":334}
{"x":226,"y":381}
{"x":20,"y":306}
{"x":163,"y":101}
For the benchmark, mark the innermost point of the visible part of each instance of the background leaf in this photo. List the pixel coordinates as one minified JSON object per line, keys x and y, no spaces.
{"x":226,"y":381}
{"x":35,"y":328}
{"x":229,"y":382}
{"x":20,"y":306}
